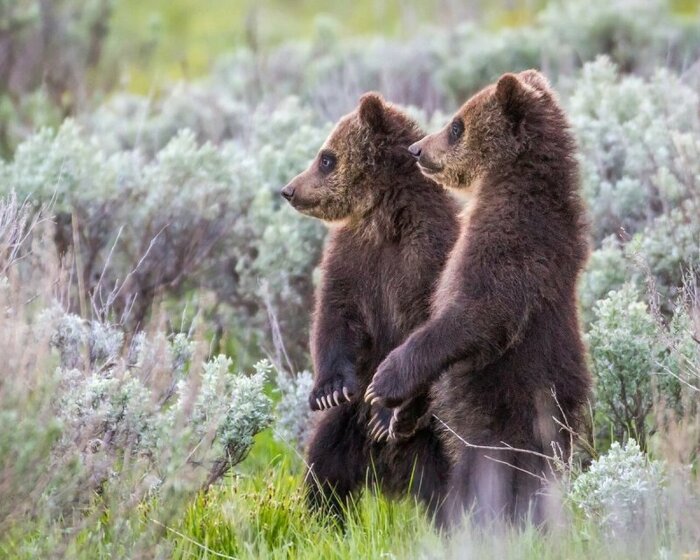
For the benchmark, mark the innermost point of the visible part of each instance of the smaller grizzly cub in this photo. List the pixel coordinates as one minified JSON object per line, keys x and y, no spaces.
{"x":504,"y":326}
{"x":391,"y":231}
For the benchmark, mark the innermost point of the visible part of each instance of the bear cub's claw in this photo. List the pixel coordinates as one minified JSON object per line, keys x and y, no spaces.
{"x":332,"y":393}
{"x":379,"y":427}
{"x":390,"y":387}
{"x":373,"y":398}
{"x":401,"y":422}
{"x":370,"y":396}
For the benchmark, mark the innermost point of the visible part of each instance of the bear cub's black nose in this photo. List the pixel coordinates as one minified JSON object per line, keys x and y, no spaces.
{"x":287,"y":192}
{"x":415,"y":150}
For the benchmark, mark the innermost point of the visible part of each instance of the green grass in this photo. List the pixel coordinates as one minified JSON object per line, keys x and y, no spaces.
{"x":260,"y":513}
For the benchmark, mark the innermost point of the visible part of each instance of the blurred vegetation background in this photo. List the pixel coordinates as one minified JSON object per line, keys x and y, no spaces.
{"x":180,"y":39}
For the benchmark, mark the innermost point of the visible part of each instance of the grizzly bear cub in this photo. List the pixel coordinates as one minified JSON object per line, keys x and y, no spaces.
{"x":391,"y":231}
{"x":504,"y":326}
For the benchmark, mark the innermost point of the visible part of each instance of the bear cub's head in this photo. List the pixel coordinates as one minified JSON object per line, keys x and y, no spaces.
{"x":365,"y":152}
{"x":488,"y":132}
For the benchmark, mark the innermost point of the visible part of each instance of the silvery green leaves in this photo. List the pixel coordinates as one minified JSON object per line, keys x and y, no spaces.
{"x":622,"y":490}
{"x":640,"y":359}
{"x":293,"y":417}
{"x":149,"y":398}
{"x":189,"y":214}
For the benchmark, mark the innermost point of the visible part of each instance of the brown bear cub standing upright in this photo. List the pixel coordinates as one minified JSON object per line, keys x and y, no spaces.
{"x":392,"y":230}
{"x":504,"y":317}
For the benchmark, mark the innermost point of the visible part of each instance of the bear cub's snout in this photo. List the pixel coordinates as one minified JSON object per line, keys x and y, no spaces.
{"x":287,"y":192}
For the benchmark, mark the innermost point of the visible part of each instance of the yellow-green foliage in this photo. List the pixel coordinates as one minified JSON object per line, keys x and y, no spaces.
{"x":180,"y":38}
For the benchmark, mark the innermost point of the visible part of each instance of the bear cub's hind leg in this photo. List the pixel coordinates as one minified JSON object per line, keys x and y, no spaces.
{"x":338,"y":460}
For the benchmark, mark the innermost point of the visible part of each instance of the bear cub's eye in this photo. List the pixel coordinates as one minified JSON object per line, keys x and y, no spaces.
{"x":326,"y":162}
{"x":456,"y":129}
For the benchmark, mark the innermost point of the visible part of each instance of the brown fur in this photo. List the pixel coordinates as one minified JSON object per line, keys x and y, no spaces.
{"x":391,"y":232}
{"x":504,"y":322}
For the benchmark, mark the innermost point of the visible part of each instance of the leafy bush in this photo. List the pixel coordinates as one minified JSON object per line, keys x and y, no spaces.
{"x":607,"y":270}
{"x":150,"y":402}
{"x":621,"y":490}
{"x":642,"y":362}
{"x":292,"y":412}
{"x":626,"y":128}
{"x":476,"y":57}
{"x":94,"y":417}
{"x":566,"y":35}
{"x":626,"y":356}
{"x":194,"y":216}
{"x":634,"y":34}
{"x":670,"y":246}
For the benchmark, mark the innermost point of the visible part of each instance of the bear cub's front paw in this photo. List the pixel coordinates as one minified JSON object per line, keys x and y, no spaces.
{"x":388,"y":388}
{"x":380,"y":423}
{"x":333,"y":391}
{"x":399,"y":423}
{"x":410,"y":417}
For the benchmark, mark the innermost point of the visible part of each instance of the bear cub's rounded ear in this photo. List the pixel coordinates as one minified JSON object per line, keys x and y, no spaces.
{"x":512,"y":95}
{"x":372,"y":112}
{"x":507,"y":88}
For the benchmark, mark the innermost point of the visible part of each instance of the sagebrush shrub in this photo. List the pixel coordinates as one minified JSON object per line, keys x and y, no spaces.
{"x":626,"y":357}
{"x":109,"y":402}
{"x":607,"y":270}
{"x":236,"y":402}
{"x":476,"y":57}
{"x":633,"y":33}
{"x":626,"y":127}
{"x":194,"y":216}
{"x":622,"y":489}
{"x":95,"y":416}
{"x":293,"y":414}
{"x":564,"y":36}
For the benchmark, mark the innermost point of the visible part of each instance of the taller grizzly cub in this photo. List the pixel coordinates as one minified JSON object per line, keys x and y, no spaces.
{"x":504,"y":317}
{"x":392,"y":231}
